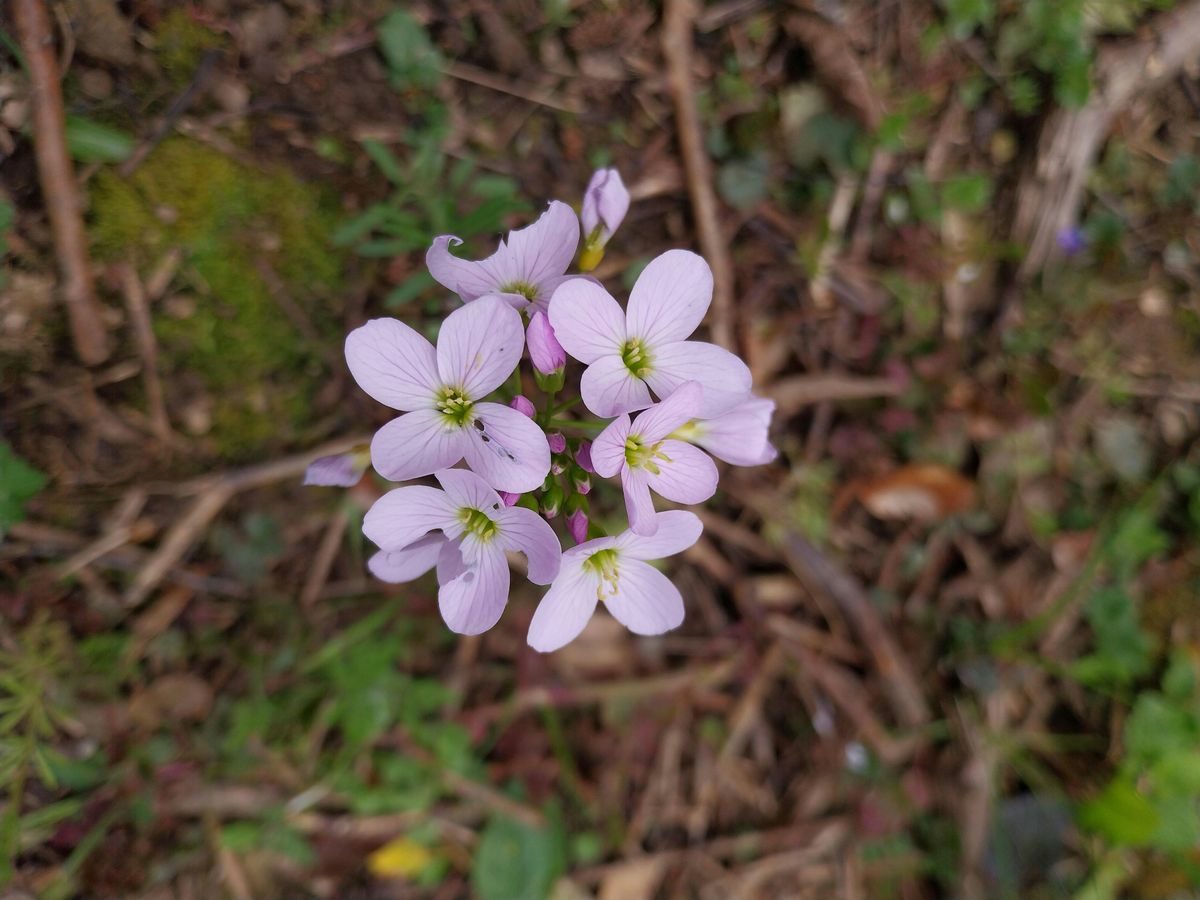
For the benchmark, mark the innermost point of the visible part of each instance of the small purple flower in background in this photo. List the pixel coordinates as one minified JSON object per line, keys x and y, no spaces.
{"x":616,"y":571}
{"x":738,"y":437}
{"x":545,"y":352}
{"x":650,"y":460}
{"x":476,"y":531}
{"x":340,"y":470}
{"x":628,"y":354}
{"x":524,"y":271}
{"x":441,"y":391}
{"x":1072,"y":241}
{"x":605,"y":203}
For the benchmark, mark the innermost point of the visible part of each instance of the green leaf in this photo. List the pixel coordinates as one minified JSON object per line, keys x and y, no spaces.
{"x":1121,"y":814}
{"x":241,"y":836}
{"x":385,"y":160}
{"x":410,"y":54}
{"x":967,"y":193}
{"x":91,"y":142}
{"x":409,"y":290}
{"x":743,"y":183}
{"x":19,"y":483}
{"x":516,"y":862}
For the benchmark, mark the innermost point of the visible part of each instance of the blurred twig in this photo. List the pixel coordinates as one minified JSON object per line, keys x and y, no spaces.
{"x":143,"y":333}
{"x":59,"y":191}
{"x":678,"y":21}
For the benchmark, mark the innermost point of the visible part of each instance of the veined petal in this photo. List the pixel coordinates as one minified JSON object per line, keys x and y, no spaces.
{"x":466,"y":489}
{"x":545,"y":248}
{"x":677,"y":530}
{"x":638,"y":504}
{"x":661,"y":419}
{"x":669,"y":298}
{"x":340,"y":470}
{"x":472,"y":602}
{"x":724,"y":377}
{"x":403,"y":515}
{"x":407,"y":563}
{"x":508,"y":450}
{"x":645,"y":602}
{"x":479,"y":346}
{"x":393,"y":364}
{"x":690,"y":476}
{"x":608,"y":450}
{"x":466,"y":278}
{"x":740,"y":435}
{"x":608,"y":388}
{"x":450,"y":562}
{"x":525,"y":531}
{"x":566,"y":608}
{"x":415,"y":444}
{"x":587,"y":321}
{"x":545,"y":290}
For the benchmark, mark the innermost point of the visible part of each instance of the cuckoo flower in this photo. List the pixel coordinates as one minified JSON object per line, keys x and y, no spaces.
{"x":738,"y":437}
{"x":605,"y":203}
{"x":476,"y":531}
{"x":441,"y":391}
{"x":524,"y":271}
{"x":628,"y":354}
{"x":648,"y":458}
{"x":545,"y":352}
{"x":340,"y":470}
{"x":615,"y":570}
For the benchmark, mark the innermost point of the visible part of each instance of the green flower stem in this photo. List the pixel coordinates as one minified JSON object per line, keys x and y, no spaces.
{"x":586,"y":427}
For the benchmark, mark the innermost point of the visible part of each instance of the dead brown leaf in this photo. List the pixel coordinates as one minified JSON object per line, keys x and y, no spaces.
{"x":176,"y":697}
{"x":923,"y":491}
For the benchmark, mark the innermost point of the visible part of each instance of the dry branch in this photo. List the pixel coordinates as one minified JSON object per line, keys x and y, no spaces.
{"x":1051,"y":190}
{"x":678,"y":20}
{"x":57,"y":179}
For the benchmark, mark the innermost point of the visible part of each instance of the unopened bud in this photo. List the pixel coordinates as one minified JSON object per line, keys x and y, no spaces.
{"x":545,"y":352}
{"x":577,"y":524}
{"x":557,"y":442}
{"x":523,"y":405}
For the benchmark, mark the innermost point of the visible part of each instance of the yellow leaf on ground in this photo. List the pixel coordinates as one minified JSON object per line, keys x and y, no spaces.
{"x":399,"y":858}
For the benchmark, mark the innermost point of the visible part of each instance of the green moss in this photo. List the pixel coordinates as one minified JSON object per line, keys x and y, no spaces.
{"x":232,"y":222}
{"x":180,"y":44}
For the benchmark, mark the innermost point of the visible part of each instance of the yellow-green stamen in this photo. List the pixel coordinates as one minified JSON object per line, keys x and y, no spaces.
{"x":604,"y":564}
{"x":477,"y":522}
{"x":640,"y":455}
{"x":455,"y":406}
{"x":524,"y":288}
{"x":636,"y":357}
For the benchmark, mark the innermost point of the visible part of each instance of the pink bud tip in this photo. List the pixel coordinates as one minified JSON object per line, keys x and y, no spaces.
{"x":583,"y":456}
{"x":577,"y":524}
{"x":509,"y":499}
{"x":557,"y":442}
{"x":523,"y":405}
{"x":545,"y":352}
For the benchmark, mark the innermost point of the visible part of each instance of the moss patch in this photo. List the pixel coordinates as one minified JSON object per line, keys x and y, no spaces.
{"x":231,"y":221}
{"x":180,"y":42}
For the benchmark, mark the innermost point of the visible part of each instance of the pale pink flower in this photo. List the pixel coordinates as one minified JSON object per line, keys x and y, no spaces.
{"x":442,"y":394}
{"x":340,"y":470}
{"x":605,"y":203}
{"x":524,"y":271}
{"x":476,"y":532}
{"x":616,"y":571}
{"x":628,"y":354}
{"x":738,"y":437}
{"x":649,"y":459}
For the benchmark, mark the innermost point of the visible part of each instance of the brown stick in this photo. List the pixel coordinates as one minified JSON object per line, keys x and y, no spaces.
{"x":819,"y":575}
{"x":58,"y":181}
{"x":678,"y":20}
{"x":143,"y":333}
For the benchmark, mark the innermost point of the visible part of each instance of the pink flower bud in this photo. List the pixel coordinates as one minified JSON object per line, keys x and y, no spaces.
{"x":509,"y":499}
{"x":545,"y":351}
{"x":605,"y":203}
{"x":523,"y":405}
{"x":342,"y":470}
{"x":583,"y":485}
{"x":577,"y":524}
{"x":557,"y":442}
{"x":583,"y":456}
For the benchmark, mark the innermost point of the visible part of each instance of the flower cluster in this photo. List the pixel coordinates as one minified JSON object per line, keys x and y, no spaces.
{"x":532,"y":463}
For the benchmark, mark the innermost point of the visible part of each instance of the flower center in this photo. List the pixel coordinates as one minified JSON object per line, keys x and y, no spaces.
{"x":688,"y":431}
{"x":455,"y":406}
{"x":640,"y":455}
{"x":604,"y":564}
{"x":477,"y":522}
{"x":636,"y":357}
{"x":524,"y":288}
